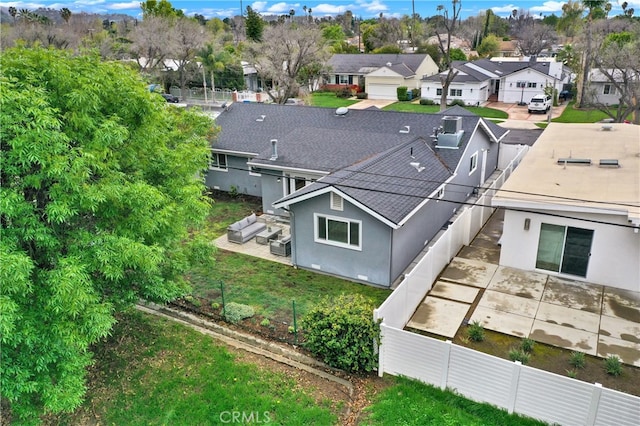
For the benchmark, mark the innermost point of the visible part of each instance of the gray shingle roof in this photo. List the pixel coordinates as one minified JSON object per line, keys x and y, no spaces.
{"x":354,"y":64}
{"x":354,"y":148}
{"x":496,"y":67}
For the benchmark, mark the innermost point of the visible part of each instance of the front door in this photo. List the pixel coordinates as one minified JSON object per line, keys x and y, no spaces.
{"x":564,"y":249}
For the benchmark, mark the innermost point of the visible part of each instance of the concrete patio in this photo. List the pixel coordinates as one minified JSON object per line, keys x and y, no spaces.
{"x":579,"y":316}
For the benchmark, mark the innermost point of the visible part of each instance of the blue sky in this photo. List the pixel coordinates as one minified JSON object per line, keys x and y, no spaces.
{"x":360,"y":8}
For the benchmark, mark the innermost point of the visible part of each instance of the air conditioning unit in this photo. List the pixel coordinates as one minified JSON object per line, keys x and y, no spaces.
{"x":451,"y":124}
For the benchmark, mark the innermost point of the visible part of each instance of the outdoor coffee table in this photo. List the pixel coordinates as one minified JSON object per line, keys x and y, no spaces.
{"x":268,"y":234}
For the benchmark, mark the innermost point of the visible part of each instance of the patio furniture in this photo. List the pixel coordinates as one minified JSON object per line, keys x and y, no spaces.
{"x":245,"y":229}
{"x":268,"y":234}
{"x":281,"y":246}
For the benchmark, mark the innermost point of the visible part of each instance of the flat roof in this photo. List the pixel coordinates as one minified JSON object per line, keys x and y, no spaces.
{"x":545,"y":181}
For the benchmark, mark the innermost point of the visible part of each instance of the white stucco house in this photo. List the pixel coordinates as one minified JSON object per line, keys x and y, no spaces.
{"x":503,"y":80}
{"x":602,"y":90}
{"x":572,"y":207}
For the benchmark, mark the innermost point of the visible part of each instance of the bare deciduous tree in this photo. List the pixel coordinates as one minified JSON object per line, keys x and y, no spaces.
{"x":283,"y":53}
{"x":189,"y":37}
{"x":448,"y":23}
{"x":152,"y":42}
{"x":533,"y":39}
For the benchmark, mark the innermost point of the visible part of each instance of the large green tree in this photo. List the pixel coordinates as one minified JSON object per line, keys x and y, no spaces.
{"x":99,"y":188}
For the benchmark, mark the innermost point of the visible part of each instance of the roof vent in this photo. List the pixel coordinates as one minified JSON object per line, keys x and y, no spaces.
{"x":342,"y":111}
{"x":416,"y":165}
{"x":261,"y":118}
{"x":584,"y":161}
{"x":609,"y":163}
{"x":406,"y":129}
{"x":388,"y":64}
{"x":274,"y":149}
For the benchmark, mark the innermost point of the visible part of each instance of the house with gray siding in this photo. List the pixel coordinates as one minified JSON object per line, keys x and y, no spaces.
{"x":364,"y":190}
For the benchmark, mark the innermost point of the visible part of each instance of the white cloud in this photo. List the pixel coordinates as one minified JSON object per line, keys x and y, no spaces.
{"x":258,"y":6}
{"x":548,"y":7}
{"x":123,"y":6}
{"x":281,"y":7}
{"x":373,"y":6}
{"x":498,"y":10}
{"x":91,"y":2}
{"x":330,"y":9}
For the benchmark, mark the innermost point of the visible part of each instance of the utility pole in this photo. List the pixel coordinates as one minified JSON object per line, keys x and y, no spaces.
{"x":413,"y":25}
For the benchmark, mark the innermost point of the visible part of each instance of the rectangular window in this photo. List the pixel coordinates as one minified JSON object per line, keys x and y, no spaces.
{"x":607,"y":90}
{"x":455,"y":92}
{"x":338,"y":231}
{"x":438,"y":92}
{"x":440,"y":192}
{"x":564,"y":249}
{"x":473,"y":163}
{"x":521,"y":84}
{"x":218,"y":162}
{"x":253,"y":171}
{"x":344,"y":79}
{"x":532,"y":85}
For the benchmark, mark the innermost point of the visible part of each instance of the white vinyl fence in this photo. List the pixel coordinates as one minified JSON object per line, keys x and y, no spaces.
{"x":475,"y":375}
{"x":402,"y":303}
{"x":516,"y":388}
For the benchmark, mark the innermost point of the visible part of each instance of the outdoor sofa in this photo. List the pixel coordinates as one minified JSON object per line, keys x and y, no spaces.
{"x":245,"y":229}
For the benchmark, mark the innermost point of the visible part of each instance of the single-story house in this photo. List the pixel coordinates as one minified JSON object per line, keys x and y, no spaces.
{"x":572,"y":207}
{"x":506,"y":81}
{"x":603,"y":91}
{"x":379,"y":75}
{"x":364,"y":190}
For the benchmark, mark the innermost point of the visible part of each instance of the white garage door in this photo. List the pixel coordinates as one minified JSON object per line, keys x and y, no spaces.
{"x":383,"y":91}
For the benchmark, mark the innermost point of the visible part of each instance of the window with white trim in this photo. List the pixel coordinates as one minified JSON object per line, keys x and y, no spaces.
{"x":608,"y":89}
{"x":218,"y":162}
{"x":344,"y":79}
{"x":521,"y":84}
{"x":532,"y":85}
{"x":455,"y":92}
{"x":336,"y":202}
{"x":473,"y":163}
{"x":438,"y":92}
{"x":254,"y":171}
{"x":338,"y":231}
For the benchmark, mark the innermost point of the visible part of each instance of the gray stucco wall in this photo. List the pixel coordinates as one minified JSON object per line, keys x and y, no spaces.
{"x":272,"y":190}
{"x":372,"y":262}
{"x":237,"y":175}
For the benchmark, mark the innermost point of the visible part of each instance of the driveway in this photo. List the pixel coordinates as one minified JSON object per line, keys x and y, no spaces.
{"x":574,"y":315}
{"x":368,"y":103}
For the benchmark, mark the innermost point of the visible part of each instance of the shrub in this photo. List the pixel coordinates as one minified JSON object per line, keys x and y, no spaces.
{"x":613,"y":365}
{"x":402,"y":93}
{"x":572,"y":373}
{"x":577,"y":360}
{"x":362,"y":95}
{"x":416,"y":93}
{"x":236,"y":312}
{"x":344,"y":92}
{"x":476,"y":331}
{"x":458,"y":102}
{"x":527,"y":345}
{"x":424,"y":101}
{"x":342,"y":332}
{"x":193,"y":300}
{"x":215,"y":305}
{"x":519,"y":355}
{"x":265,"y":322}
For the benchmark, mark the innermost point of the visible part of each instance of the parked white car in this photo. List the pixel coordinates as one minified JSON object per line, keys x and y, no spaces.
{"x":540,"y":103}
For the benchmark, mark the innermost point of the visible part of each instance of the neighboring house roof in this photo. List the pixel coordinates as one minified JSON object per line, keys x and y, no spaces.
{"x":597,"y":76}
{"x":485,"y":69}
{"x":361,"y":64}
{"x":540,"y":182}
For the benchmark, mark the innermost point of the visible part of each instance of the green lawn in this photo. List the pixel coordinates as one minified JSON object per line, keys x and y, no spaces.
{"x":433,"y":109}
{"x":413,"y":403}
{"x":151,"y":371}
{"x":269,"y":287}
{"x":573,"y":115}
{"x":330,"y":100}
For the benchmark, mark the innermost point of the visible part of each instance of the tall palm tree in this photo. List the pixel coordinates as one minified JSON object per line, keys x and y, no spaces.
{"x":13,"y":12}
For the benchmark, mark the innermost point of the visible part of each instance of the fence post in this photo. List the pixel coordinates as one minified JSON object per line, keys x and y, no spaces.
{"x":224,"y":312}
{"x":446,"y":355}
{"x":513,"y":392}
{"x":381,"y":350}
{"x":295,"y":324}
{"x":595,"y":402}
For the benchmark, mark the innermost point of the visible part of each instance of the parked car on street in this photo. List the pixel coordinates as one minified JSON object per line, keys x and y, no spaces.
{"x":539,"y":103}
{"x":170,"y":98}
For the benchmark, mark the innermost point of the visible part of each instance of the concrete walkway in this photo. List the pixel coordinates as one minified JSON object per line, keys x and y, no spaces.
{"x":574,"y":315}
{"x":368,"y":103}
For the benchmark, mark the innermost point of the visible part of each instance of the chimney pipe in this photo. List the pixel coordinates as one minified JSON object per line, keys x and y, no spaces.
{"x":274,"y":149}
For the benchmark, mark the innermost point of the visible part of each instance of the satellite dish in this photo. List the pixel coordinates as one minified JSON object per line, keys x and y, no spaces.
{"x":342,"y":111}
